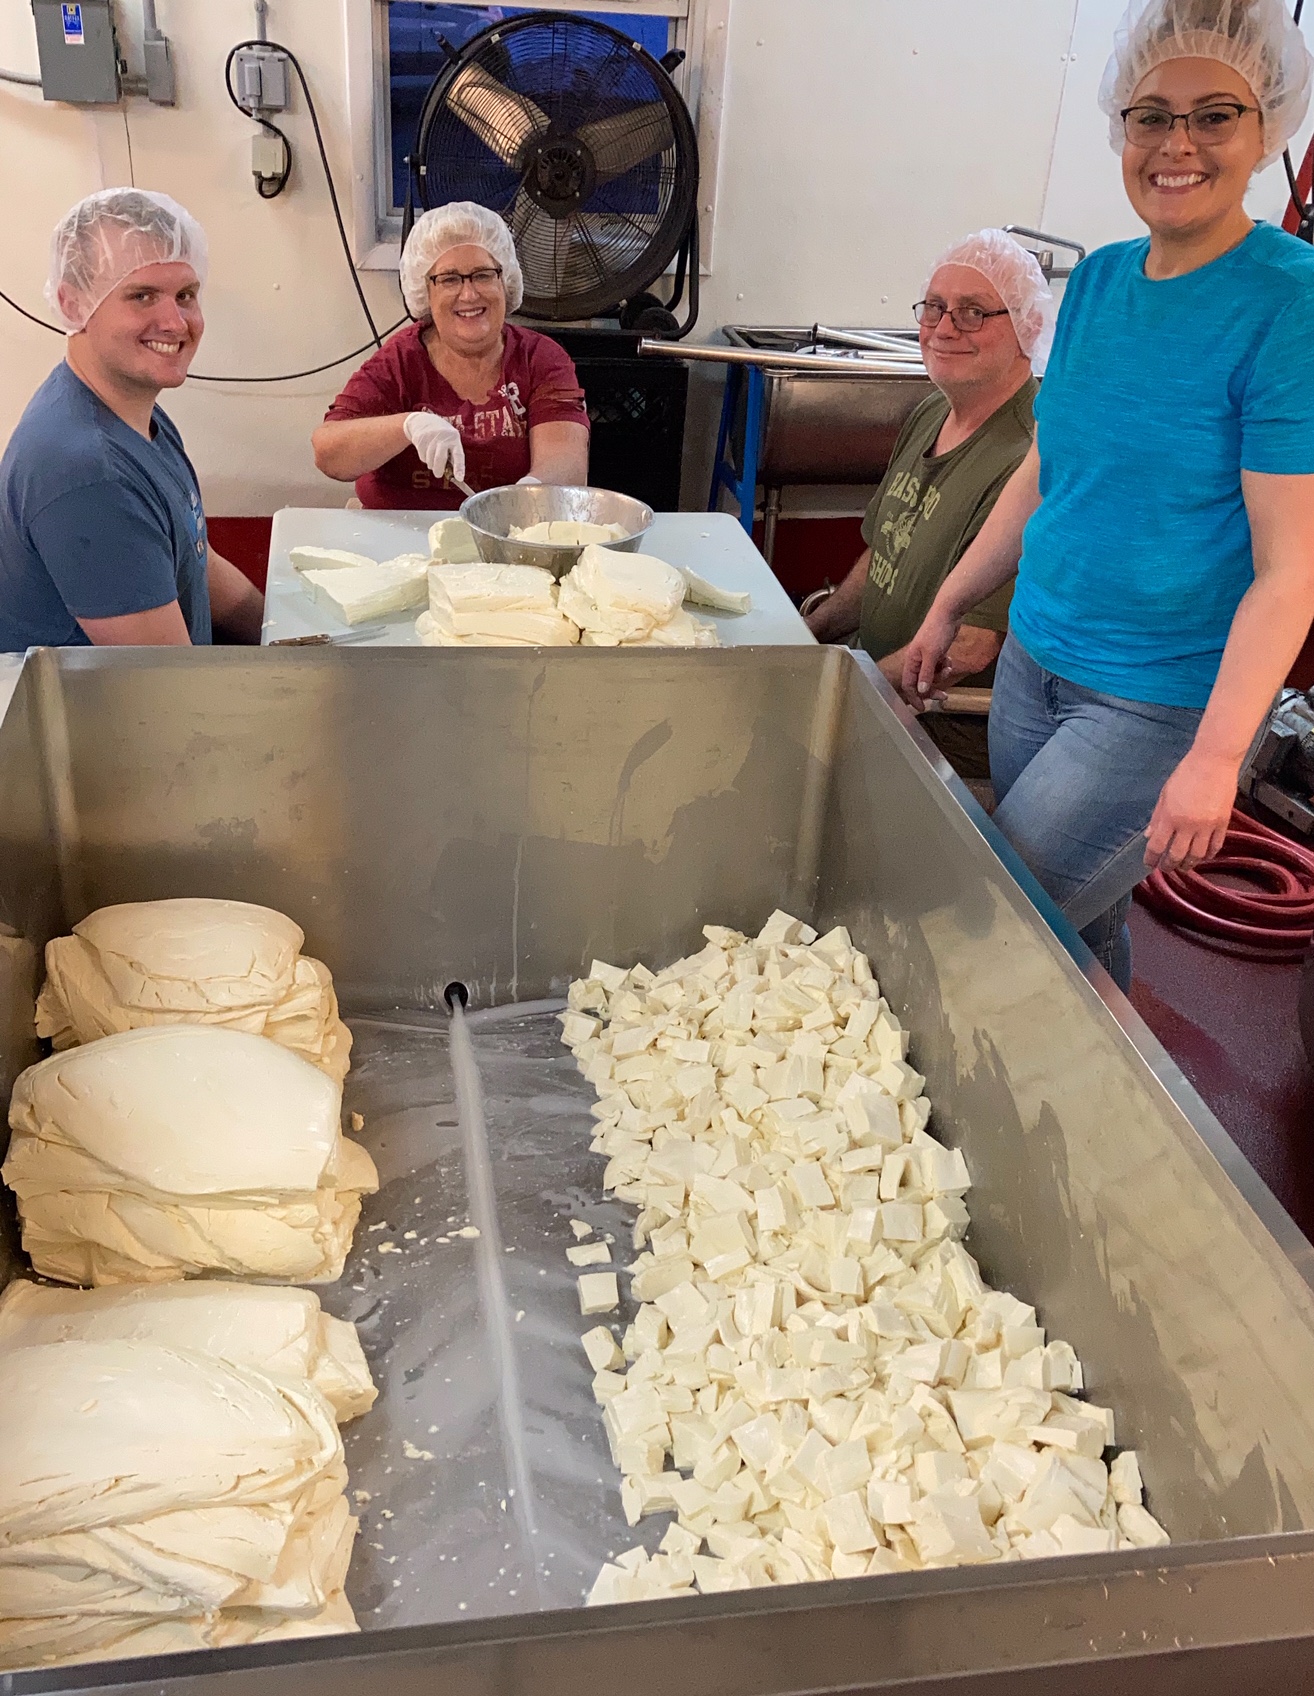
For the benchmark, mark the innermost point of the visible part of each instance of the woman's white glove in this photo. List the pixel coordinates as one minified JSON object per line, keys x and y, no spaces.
{"x":437,"y":441}
{"x":529,"y":477}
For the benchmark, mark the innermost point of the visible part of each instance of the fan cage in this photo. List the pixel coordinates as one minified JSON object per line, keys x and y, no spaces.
{"x":578,"y":138}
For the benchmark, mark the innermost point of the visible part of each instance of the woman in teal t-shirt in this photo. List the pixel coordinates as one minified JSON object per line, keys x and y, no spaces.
{"x":1162,"y":528}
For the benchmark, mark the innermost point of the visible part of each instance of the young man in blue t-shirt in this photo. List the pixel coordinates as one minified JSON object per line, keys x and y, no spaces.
{"x":102,"y":532}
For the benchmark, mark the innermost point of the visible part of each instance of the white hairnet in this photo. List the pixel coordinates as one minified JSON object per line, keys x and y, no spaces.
{"x":1015,"y":275}
{"x":459,"y":224}
{"x":108,"y":236}
{"x":1256,"y":38}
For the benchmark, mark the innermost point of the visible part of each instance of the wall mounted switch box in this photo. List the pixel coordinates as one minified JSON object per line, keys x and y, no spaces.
{"x":78,"y":52}
{"x":260,"y":77}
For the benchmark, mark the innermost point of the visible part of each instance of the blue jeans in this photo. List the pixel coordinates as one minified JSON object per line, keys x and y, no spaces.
{"x":1077,"y":774}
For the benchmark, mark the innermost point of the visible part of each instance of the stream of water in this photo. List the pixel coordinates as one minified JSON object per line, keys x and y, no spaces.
{"x":492,"y":1285}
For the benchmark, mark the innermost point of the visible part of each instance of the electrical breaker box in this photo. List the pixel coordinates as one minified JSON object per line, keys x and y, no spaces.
{"x":78,"y":51}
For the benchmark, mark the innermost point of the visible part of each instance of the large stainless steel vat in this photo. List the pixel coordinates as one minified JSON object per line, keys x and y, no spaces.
{"x":500,"y":818}
{"x":837,"y":426}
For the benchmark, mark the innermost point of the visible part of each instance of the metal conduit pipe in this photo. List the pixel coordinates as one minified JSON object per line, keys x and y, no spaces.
{"x":900,"y":347}
{"x":874,"y":367}
{"x":20,"y":77}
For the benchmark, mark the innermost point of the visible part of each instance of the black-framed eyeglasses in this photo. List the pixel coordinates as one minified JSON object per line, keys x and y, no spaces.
{"x":451,"y":282}
{"x":1207,"y":126}
{"x":965,"y":318}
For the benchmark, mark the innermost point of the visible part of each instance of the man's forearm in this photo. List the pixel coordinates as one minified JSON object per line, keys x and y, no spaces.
{"x":237,"y":608}
{"x":839,"y":614}
{"x":992,"y":559}
{"x":972,"y":650}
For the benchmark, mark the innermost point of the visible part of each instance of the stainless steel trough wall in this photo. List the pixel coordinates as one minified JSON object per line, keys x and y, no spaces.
{"x":500,"y":818}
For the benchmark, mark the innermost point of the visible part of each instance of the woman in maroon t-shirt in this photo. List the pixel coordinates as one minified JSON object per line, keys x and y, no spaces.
{"x":461,"y":392}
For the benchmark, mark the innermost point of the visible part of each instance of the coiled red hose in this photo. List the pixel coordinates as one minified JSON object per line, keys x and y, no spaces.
{"x":1271,"y":919}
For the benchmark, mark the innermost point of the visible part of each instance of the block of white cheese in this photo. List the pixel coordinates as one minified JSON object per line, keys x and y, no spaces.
{"x":619,"y":598}
{"x":568,"y":532}
{"x":683,"y":630}
{"x":451,"y":542}
{"x":281,"y":1331}
{"x":495,"y":605}
{"x":325,"y":559}
{"x":192,"y":961}
{"x":705,"y":594}
{"x":152,"y":1484}
{"x":179,"y":1150}
{"x":360,"y":592}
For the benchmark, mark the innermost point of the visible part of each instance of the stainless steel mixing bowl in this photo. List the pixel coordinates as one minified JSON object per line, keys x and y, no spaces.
{"x":492,"y":513}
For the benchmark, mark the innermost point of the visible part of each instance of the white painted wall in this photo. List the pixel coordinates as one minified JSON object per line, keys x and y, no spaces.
{"x":859,"y":138}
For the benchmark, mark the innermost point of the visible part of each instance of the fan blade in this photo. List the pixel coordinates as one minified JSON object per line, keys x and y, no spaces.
{"x":626,"y":139}
{"x":558,"y":257}
{"x":503,"y":120}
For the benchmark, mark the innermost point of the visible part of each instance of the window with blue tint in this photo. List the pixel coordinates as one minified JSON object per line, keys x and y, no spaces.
{"x":416,"y":56}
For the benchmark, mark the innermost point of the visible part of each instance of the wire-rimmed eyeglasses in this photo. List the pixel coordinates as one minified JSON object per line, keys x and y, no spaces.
{"x":1207,"y":126}
{"x":965,"y":318}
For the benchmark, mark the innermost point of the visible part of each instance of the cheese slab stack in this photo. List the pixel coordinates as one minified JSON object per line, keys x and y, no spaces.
{"x":280,"y":1331}
{"x":631,"y":600}
{"x":821,"y":1384}
{"x":223,"y":963}
{"x":165,"y":1153}
{"x":157,"y":1498}
{"x":493,"y":605}
{"x":355,"y":593}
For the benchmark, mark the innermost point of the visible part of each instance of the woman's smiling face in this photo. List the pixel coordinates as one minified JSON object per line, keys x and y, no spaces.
{"x":1178,"y":186}
{"x":468,"y":316}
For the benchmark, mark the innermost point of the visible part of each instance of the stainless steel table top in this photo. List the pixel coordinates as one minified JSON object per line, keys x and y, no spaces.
{"x":711,"y":543}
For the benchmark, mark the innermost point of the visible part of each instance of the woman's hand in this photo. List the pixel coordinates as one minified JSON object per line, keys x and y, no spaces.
{"x":926,"y":664}
{"x":1192,"y":814}
{"x":437,"y":441}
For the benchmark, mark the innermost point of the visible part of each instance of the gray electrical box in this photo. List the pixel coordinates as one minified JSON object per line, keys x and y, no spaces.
{"x":78,"y":51}
{"x":260,"y":75}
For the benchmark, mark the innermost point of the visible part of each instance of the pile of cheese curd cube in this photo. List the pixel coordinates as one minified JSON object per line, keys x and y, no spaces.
{"x":818,"y":1383}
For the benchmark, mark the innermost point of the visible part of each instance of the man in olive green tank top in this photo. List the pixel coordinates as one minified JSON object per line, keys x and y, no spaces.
{"x":952,"y":459}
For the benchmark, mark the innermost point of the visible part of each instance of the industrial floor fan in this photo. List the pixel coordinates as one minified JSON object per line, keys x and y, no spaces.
{"x":578,"y":137}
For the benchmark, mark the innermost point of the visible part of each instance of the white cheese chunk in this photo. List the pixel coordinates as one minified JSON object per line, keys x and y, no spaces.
{"x":567,"y":532}
{"x":452,"y":542}
{"x":496,"y":605}
{"x":602,"y":1349}
{"x":589,"y":1254}
{"x":326,"y":559}
{"x":1140,"y":1526}
{"x":619,"y":598}
{"x":705,"y":594}
{"x":357,"y":593}
{"x":1124,"y":1476}
{"x":598,"y":1292}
